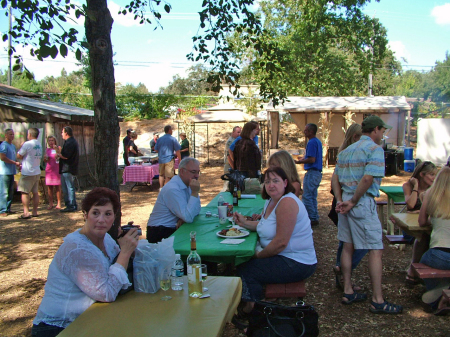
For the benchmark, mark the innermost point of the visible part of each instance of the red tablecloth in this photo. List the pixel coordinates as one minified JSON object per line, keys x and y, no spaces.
{"x":139,"y":173}
{"x":142,"y":173}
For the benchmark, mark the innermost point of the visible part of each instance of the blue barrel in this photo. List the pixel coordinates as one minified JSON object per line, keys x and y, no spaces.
{"x":408,"y":153}
{"x":408,"y":165}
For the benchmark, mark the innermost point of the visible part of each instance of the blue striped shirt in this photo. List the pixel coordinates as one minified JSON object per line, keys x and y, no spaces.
{"x":362,"y":158}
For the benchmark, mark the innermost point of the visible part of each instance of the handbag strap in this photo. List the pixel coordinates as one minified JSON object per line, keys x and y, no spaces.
{"x":269,"y":323}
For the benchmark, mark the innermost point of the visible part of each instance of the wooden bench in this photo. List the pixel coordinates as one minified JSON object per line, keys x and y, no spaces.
{"x":423,"y":271}
{"x":296,"y":289}
{"x":397,"y":239}
{"x":389,"y":224}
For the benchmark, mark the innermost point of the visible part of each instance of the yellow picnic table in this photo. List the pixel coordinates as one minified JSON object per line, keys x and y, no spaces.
{"x":141,"y":314}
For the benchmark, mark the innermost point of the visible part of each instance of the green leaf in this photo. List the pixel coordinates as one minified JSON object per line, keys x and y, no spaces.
{"x":63,"y":50}
{"x":167,"y":8}
{"x":78,"y":54}
{"x":44,"y":51}
{"x":53,"y":52}
{"x":29,"y":75}
{"x":16,"y":67}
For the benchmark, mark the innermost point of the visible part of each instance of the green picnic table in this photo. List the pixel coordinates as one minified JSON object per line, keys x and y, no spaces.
{"x":209,"y":245}
{"x":394,"y":194}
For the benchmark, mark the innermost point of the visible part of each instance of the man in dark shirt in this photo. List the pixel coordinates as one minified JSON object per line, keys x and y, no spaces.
{"x":126,"y":147}
{"x":68,"y":168}
{"x":153,"y":142}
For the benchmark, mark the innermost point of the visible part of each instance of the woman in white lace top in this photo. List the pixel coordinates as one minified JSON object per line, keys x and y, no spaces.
{"x":82,"y":272}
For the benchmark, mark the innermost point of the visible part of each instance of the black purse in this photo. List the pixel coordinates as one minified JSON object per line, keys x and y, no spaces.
{"x":234,"y":178}
{"x":274,"y":320}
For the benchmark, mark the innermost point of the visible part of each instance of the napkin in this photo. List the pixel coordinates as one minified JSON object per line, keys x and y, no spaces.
{"x":232,"y":241}
{"x":248,"y":196}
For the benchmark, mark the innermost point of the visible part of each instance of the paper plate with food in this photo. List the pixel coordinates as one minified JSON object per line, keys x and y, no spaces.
{"x":232,"y":233}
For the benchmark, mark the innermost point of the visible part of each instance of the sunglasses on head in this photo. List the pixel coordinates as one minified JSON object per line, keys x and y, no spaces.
{"x":425,"y":164}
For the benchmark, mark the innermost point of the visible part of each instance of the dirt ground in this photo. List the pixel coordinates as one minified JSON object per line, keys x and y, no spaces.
{"x":27,"y":248}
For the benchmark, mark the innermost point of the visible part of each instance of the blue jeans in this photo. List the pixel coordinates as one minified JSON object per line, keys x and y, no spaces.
{"x":358,"y":255}
{"x":6,"y":192}
{"x":275,"y":269}
{"x":45,"y":330}
{"x":435,"y":258}
{"x":311,"y":183}
{"x":68,"y":190}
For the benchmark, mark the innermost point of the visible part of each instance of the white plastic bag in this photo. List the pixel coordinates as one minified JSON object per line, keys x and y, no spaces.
{"x":148,"y":260}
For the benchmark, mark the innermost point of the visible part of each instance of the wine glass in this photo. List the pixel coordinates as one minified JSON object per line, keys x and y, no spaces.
{"x":204,"y":275}
{"x":164,"y":282}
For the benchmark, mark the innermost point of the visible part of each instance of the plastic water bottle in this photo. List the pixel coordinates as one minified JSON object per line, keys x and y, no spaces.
{"x":220,"y":201}
{"x":177,"y":273}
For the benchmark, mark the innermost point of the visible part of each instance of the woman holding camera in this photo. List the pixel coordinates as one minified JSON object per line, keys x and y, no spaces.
{"x":82,"y":271}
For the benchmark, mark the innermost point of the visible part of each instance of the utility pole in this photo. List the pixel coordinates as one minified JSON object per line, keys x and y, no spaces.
{"x":9,"y":48}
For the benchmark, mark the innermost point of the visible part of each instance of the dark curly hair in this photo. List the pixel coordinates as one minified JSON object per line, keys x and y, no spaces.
{"x":100,"y":196}
{"x":279,"y":172}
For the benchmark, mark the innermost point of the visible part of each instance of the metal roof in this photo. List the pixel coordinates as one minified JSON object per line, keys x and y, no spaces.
{"x":364,"y":104}
{"x":8,"y":90}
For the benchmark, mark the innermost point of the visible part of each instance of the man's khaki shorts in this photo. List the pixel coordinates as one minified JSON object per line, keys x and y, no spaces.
{"x":361,"y":225}
{"x":167,"y":170}
{"x":29,"y":184}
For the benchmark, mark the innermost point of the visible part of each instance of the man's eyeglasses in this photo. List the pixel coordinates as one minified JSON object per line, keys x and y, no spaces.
{"x":194,"y":172}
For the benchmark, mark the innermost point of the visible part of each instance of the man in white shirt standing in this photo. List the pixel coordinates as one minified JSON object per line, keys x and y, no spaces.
{"x":31,"y":154}
{"x":178,"y":202}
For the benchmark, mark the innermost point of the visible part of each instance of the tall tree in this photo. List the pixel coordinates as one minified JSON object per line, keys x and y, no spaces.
{"x":196,"y":83}
{"x":317,"y":48}
{"x":440,"y":76}
{"x":217,"y":19}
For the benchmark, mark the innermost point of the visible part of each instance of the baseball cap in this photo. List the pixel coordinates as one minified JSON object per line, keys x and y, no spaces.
{"x":374,"y":121}
{"x":129,"y":130}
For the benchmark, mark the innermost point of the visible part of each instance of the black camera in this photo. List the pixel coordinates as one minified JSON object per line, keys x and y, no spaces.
{"x":126,"y":228}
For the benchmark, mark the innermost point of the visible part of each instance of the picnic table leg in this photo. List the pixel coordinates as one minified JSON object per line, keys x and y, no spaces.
{"x":390,"y":210}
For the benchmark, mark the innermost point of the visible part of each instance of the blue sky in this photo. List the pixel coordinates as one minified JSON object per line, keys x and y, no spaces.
{"x":418,"y":30}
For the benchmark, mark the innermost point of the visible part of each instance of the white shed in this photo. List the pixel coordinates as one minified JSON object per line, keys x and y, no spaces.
{"x":394,"y":110}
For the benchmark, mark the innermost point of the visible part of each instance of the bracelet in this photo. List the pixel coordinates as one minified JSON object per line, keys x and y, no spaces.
{"x":415,"y":191}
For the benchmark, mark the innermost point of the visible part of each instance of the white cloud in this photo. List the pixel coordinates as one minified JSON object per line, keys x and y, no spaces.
{"x":120,"y":19}
{"x":399,"y":50}
{"x":441,"y":14}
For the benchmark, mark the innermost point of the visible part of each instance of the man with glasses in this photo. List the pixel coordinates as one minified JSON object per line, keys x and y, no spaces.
{"x":178,"y":202}
{"x":356,"y":182}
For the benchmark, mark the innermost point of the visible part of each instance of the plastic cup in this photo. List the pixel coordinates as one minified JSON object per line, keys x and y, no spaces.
{"x":222,"y":210}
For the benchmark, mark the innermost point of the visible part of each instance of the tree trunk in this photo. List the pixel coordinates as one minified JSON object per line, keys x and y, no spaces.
{"x":98,"y":26}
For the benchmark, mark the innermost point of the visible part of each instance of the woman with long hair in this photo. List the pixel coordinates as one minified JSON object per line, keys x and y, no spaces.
{"x":352,"y":135}
{"x":284,"y":160}
{"x":414,"y":190}
{"x":435,"y":211}
{"x":246,"y":154}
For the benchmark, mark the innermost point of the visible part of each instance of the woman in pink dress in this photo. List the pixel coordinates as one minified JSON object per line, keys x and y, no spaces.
{"x":52,"y":176}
